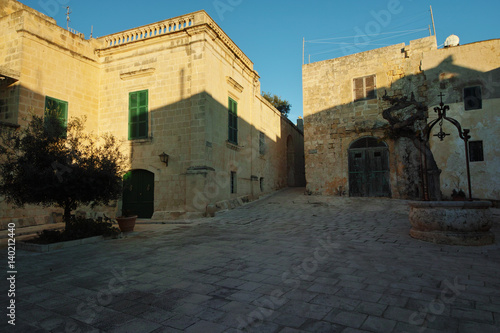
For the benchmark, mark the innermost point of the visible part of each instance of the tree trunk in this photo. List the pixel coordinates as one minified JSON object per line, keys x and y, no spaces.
{"x":433,"y":172}
{"x":67,"y":214}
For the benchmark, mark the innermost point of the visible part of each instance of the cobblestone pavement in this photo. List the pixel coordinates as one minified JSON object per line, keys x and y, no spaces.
{"x":286,"y":263}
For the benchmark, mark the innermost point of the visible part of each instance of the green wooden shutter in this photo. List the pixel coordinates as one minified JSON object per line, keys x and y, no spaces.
{"x":63,"y":116}
{"x":57,"y":108}
{"x":132,"y":115}
{"x":138,"y":115}
{"x":232,"y":121}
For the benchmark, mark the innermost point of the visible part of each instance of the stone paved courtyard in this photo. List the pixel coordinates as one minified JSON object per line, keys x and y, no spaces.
{"x":286,"y":263}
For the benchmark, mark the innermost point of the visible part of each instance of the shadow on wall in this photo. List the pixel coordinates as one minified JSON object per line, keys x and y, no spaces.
{"x":333,"y":135}
{"x":213,"y":159}
{"x":203,"y":167}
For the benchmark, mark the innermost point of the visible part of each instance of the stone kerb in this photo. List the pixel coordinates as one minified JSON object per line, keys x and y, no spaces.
{"x":452,"y":222}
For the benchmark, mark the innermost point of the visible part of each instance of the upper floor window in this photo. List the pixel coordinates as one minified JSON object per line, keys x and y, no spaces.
{"x":232,"y":121}
{"x":4,"y":109}
{"x":364,"y":87}
{"x":476,"y":151}
{"x":262,"y":143}
{"x":58,"y":109}
{"x":138,"y":115}
{"x":472,"y":98}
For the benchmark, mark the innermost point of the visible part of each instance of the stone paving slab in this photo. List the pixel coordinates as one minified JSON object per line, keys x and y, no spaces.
{"x":286,"y":263}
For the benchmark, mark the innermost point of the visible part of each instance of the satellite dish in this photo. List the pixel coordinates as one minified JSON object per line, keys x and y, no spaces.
{"x":452,"y":40}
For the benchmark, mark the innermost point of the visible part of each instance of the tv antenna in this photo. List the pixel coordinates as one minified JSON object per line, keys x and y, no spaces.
{"x":67,"y":17}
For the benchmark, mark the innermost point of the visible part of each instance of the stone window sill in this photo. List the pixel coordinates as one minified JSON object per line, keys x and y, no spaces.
{"x":233,"y":146}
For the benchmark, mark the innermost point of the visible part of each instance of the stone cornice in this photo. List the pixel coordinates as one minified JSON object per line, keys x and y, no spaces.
{"x":232,"y":82}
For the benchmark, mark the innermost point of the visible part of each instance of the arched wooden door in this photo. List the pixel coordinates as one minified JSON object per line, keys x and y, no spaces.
{"x":369,"y":174}
{"x":138,"y":193}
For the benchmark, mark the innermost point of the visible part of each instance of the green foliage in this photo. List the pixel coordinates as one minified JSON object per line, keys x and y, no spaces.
{"x":77,"y":229}
{"x":49,"y":164}
{"x":281,"y":105}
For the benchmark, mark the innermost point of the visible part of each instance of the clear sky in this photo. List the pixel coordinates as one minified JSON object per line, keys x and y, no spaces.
{"x":271,"y":32}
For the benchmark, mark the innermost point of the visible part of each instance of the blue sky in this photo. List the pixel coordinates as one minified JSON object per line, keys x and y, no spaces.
{"x":270,"y":32}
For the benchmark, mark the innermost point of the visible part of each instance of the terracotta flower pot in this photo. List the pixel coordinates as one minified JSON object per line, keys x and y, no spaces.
{"x":126,"y":223}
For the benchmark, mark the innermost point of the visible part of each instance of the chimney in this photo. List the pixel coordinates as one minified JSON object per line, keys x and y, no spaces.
{"x":300,"y":124}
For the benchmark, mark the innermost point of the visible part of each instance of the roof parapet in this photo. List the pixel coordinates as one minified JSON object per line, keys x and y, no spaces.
{"x":170,"y":26}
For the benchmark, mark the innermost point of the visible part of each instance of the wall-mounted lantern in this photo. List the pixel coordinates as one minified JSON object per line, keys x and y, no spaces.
{"x":164,"y":158}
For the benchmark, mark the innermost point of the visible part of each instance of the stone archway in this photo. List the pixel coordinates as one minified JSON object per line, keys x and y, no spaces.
{"x":369,"y":174}
{"x":290,"y":161}
{"x":138,"y":193}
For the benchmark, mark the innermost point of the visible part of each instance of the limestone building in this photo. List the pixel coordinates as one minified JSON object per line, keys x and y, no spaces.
{"x":180,"y":87}
{"x":347,"y":149}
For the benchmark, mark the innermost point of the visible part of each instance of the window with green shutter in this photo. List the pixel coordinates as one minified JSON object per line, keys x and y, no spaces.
{"x":56,"y":108}
{"x":138,"y":115}
{"x":232,"y":121}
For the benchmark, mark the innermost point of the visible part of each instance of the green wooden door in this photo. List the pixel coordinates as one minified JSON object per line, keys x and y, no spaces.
{"x":138,"y":193}
{"x":357,"y":176}
{"x":369,"y":169}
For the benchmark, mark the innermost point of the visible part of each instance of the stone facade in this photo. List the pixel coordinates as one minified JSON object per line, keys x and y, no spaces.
{"x":452,"y":71}
{"x":188,"y":68}
{"x":337,"y":114}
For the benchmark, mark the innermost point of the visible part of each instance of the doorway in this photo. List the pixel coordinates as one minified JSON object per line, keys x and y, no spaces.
{"x":138,"y":193}
{"x":369,"y":174}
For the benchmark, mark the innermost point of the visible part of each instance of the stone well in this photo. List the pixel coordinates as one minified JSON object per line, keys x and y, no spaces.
{"x":452,"y":222}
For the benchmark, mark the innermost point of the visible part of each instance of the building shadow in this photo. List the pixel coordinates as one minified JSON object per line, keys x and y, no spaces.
{"x":348,"y":148}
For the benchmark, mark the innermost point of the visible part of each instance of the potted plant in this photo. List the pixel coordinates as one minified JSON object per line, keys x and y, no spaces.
{"x":458,"y":195}
{"x":126,"y":222}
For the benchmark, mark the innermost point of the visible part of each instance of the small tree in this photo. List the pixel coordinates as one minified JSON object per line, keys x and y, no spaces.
{"x":48,"y":164}
{"x":281,"y":105}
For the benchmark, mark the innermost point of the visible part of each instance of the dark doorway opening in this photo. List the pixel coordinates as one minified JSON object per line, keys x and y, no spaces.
{"x":369,"y":174}
{"x":138,"y":193}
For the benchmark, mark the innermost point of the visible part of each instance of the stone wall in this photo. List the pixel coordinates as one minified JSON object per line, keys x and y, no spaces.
{"x":45,"y":60}
{"x":449,"y":71}
{"x":333,"y":120}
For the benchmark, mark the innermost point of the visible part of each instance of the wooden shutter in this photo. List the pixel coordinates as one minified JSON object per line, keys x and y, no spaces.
{"x":359,"y":92}
{"x":232,"y":121}
{"x":142,"y":123}
{"x":364,"y":87}
{"x":58,"y":109}
{"x":370,"y":87}
{"x":262,"y":142}
{"x":138,"y":115}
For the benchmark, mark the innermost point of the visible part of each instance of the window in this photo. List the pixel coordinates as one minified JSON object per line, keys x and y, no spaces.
{"x":472,"y":98}
{"x":476,"y":151}
{"x":232,"y":121}
{"x":364,"y":87}
{"x":4,"y":109}
{"x":262,"y":143}
{"x":262,"y":184}
{"x":138,"y":115}
{"x":58,"y":109}
{"x":233,"y":182}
